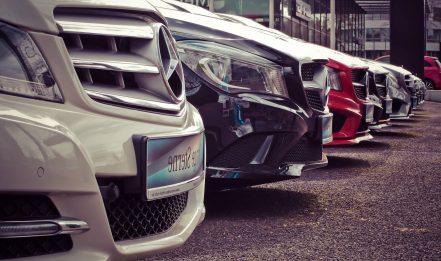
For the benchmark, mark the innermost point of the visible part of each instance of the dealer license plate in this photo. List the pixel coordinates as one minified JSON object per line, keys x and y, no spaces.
{"x":326,"y":128}
{"x":174,"y":165}
{"x":369,"y":112}
{"x":388,"y":106}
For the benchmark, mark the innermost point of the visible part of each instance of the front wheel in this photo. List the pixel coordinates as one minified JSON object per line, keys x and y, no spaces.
{"x":429,"y":85}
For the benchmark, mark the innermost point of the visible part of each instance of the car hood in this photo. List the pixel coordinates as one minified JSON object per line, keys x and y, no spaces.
{"x":201,"y":27}
{"x":345,"y":59}
{"x":375,"y":67}
{"x":395,"y":69}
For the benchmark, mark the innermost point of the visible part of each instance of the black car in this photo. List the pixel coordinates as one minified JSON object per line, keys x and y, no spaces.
{"x":260,"y":125}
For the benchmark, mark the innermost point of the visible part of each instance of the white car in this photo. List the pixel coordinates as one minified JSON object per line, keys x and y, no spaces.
{"x":101,"y":155}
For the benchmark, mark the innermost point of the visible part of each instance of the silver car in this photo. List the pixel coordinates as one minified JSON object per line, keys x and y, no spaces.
{"x":101,"y":155}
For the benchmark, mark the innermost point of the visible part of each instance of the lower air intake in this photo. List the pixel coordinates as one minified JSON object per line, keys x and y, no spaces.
{"x":130,"y":217}
{"x":240,"y":153}
{"x":34,"y":246}
{"x":314,"y":100}
{"x":305,"y":150}
{"x":26,"y":207}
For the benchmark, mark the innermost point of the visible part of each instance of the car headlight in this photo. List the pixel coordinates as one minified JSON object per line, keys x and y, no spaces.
{"x":23,"y":70}
{"x":232,"y":70}
{"x":334,"y":80}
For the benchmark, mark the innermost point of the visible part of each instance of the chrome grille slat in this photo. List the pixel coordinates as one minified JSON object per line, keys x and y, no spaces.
{"x":123,"y":27}
{"x":115,"y":99}
{"x":115,"y":62}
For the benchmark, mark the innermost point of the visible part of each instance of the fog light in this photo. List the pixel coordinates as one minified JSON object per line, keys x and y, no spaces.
{"x":26,"y":229}
{"x":35,"y":228}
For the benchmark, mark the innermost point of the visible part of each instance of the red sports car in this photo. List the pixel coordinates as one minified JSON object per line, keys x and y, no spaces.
{"x":348,"y":98}
{"x":348,"y":102}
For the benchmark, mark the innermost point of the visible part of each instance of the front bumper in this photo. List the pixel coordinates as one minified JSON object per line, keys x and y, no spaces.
{"x":401,"y":110}
{"x":228,"y":178}
{"x":254,"y":138}
{"x":61,"y":149}
{"x":351,"y":119}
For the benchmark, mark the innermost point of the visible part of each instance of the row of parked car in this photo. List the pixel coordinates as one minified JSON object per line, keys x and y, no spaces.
{"x":115,"y":115}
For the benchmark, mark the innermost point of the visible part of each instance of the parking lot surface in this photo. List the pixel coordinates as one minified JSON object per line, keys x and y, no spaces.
{"x":378,"y":200}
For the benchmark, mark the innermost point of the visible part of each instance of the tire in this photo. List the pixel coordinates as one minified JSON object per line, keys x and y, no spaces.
{"x":429,"y":84}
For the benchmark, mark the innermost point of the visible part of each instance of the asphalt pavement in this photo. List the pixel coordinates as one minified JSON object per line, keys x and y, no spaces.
{"x":379,"y":200}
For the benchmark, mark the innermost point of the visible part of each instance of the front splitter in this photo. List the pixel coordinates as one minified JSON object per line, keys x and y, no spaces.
{"x":219,"y":178}
{"x":357,"y":140}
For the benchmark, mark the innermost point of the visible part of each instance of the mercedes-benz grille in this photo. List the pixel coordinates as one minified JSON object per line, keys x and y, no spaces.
{"x":123,"y":59}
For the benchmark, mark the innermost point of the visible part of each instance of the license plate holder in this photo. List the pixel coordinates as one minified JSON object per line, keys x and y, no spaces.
{"x":171,"y":165}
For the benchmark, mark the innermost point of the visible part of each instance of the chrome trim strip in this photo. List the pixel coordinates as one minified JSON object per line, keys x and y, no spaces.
{"x":296,"y":169}
{"x":63,"y":225}
{"x":104,"y":26}
{"x":327,"y":140}
{"x":257,"y":99}
{"x":166,"y":135}
{"x":365,"y":137}
{"x":394,"y":117}
{"x":261,"y":154}
{"x":177,"y":188}
{"x":358,"y":84}
{"x":222,"y":168}
{"x":379,"y":126}
{"x":134,"y":102}
{"x":72,"y":226}
{"x":94,"y":62}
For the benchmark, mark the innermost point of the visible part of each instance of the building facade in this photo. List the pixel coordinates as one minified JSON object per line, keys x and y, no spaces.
{"x":378,"y":32}
{"x":309,"y":20}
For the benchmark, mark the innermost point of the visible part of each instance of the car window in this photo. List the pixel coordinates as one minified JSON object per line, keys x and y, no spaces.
{"x":438,"y":63}
{"x":427,"y":64}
